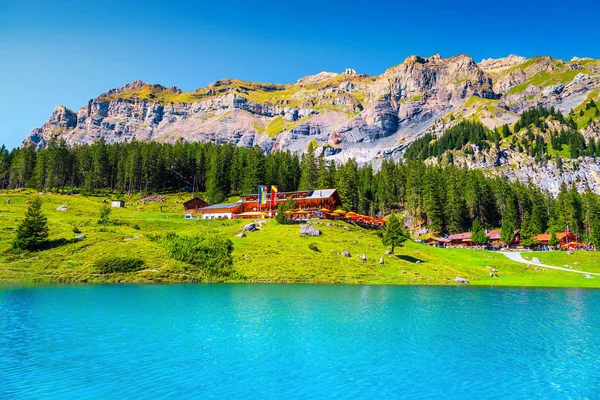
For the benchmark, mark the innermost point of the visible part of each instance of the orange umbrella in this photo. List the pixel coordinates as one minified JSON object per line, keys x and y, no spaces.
{"x":324,"y":210}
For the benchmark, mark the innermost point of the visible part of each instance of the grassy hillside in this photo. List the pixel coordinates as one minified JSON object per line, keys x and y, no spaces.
{"x":580,"y":260}
{"x":276,"y":253}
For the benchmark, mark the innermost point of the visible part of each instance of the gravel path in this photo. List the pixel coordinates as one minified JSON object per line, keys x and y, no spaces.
{"x":516,"y":256}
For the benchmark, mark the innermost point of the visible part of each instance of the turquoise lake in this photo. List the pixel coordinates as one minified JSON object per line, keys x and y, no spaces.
{"x":298,"y":342}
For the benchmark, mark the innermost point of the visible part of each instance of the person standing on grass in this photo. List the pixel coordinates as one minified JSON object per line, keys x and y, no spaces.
{"x":381,"y":261}
{"x":364,"y":258}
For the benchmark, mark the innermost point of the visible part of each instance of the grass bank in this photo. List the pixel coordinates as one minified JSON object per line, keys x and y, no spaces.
{"x":275,"y":253}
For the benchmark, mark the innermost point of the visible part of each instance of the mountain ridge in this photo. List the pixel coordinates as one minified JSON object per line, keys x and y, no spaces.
{"x":349,"y":115}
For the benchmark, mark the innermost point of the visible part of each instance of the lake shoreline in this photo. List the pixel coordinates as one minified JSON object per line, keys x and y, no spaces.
{"x":26,"y":284}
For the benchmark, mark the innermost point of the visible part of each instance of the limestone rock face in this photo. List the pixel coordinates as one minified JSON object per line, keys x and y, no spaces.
{"x":495,"y":65}
{"x":350,"y":115}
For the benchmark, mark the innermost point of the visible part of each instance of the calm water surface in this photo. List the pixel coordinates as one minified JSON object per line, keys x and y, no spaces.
{"x":298,"y":341}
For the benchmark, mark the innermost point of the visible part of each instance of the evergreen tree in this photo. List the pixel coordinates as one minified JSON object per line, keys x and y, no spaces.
{"x":324,"y":175}
{"x":507,"y":233}
{"x":281,"y":216}
{"x":347,"y":184}
{"x":105,"y":212}
{"x":478,"y":235}
{"x":254,"y":174}
{"x":4,"y":168}
{"x":595,"y":233}
{"x":309,"y":172}
{"x":433,"y":200}
{"x":528,"y":231}
{"x":553,"y":238}
{"x":455,"y":210}
{"x":394,"y":234}
{"x":33,"y":231}
{"x":215,"y":177}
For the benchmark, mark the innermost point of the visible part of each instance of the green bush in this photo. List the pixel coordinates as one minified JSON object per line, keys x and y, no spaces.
{"x":313,"y":247}
{"x":136,"y":227}
{"x":76,"y":230}
{"x":209,"y":252}
{"x":110,"y":264}
{"x":105,"y":212}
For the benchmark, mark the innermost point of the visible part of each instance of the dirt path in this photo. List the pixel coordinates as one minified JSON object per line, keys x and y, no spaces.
{"x":516,"y":256}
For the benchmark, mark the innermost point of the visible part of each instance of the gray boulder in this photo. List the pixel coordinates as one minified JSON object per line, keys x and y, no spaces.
{"x":309,"y":230}
{"x":251,"y":227}
{"x":461,"y":280}
{"x":241,"y":235}
{"x":346,"y":254}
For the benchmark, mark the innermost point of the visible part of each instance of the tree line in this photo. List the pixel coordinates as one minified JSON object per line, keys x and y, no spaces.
{"x":434,"y":198}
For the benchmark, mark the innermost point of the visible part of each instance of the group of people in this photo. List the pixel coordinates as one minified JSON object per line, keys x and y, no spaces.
{"x":579,"y":246}
{"x":364,"y":259}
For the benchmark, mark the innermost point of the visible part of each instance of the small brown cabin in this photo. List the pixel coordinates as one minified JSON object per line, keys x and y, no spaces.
{"x":195,"y":204}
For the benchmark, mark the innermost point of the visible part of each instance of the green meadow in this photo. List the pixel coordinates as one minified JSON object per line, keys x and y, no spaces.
{"x":275,"y":253}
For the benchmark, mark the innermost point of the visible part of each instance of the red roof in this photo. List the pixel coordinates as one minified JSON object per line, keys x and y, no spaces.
{"x":559,"y":235}
{"x":460,"y":236}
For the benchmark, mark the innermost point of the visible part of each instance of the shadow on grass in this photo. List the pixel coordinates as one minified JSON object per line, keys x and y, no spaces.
{"x":410,"y":259}
{"x":53,"y":244}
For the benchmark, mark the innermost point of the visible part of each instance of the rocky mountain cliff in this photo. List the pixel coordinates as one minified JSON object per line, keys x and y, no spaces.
{"x":350,"y":115}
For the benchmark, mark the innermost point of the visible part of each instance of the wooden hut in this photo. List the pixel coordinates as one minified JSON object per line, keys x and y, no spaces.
{"x":194,"y":205}
{"x":117,"y":203}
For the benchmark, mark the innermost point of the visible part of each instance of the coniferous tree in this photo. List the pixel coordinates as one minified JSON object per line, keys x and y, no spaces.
{"x":507,"y":233}
{"x":394,"y":234}
{"x":478,"y":235}
{"x":553,"y":238}
{"x":4,"y":168}
{"x":347,"y":183}
{"x":254,"y":174}
{"x":324,"y":175}
{"x":455,"y":210}
{"x":528,"y":231}
{"x":309,"y":169}
{"x":433,"y":200}
{"x":33,"y":230}
{"x":215,"y":185}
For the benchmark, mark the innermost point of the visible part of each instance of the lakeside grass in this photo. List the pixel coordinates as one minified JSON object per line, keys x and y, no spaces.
{"x":276,"y":253}
{"x":588,"y":261}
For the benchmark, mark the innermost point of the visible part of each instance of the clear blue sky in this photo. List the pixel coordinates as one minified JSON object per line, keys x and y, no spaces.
{"x":70,"y":51}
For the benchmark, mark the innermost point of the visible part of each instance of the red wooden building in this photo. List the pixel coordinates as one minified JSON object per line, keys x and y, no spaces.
{"x":310,"y":201}
{"x":194,"y":205}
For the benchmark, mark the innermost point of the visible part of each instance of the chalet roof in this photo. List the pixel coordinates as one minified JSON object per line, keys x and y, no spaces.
{"x":547,"y":236}
{"x":310,"y":194}
{"x":321,"y":193}
{"x":493,"y":235}
{"x":220,"y":206}
{"x":466,"y":236}
{"x":437,"y":239}
{"x":460,"y":236}
{"x":193,"y":199}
